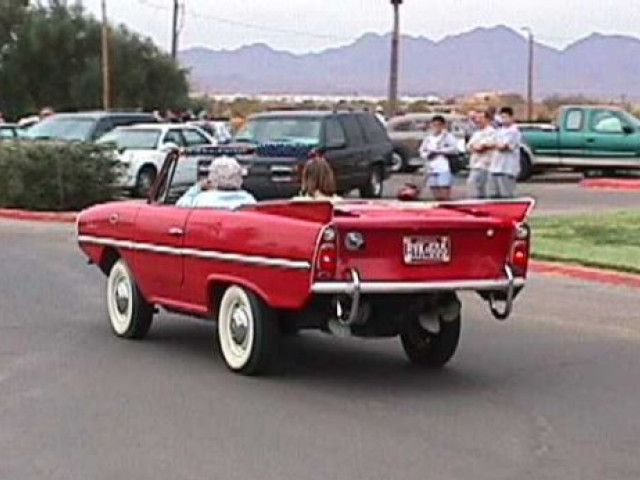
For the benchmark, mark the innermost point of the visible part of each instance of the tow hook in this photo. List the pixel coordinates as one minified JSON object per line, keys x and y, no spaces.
{"x":504,"y":312}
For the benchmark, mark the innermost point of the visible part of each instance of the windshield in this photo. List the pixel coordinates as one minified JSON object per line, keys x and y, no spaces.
{"x":63,"y":128}
{"x":281,"y":130}
{"x":137,"y":139}
{"x":632,"y":119}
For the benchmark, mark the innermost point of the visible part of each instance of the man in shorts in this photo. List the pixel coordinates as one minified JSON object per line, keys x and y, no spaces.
{"x":435,"y":149}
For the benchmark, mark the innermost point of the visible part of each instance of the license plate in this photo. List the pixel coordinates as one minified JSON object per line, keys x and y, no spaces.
{"x":421,"y":250}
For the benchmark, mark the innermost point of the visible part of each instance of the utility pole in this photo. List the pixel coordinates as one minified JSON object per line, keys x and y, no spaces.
{"x":392,"y":104}
{"x":174,"y":29}
{"x":106,"y":86}
{"x":530,"y":75}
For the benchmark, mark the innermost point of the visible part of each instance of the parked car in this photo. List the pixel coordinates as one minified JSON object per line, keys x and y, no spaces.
{"x":9,"y":131}
{"x":275,"y":146}
{"x":583,"y":138}
{"x":408,"y":131}
{"x":143,"y":148}
{"x":362,"y":268}
{"x":220,"y":130}
{"x":85,"y":126}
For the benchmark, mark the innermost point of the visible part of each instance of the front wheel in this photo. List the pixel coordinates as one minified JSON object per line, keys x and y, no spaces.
{"x":430,"y":345}
{"x":374,"y":185}
{"x":129,"y":313}
{"x":247,"y":331}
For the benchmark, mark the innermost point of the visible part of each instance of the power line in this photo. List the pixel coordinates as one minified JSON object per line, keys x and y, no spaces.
{"x":253,"y":26}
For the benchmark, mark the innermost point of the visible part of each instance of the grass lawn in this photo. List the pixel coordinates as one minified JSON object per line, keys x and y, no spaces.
{"x":606,"y":239}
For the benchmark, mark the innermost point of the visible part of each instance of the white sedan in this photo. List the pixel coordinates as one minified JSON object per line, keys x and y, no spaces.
{"x":143,"y":148}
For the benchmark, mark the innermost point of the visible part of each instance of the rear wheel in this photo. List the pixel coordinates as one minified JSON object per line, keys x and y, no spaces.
{"x":144,"y":182}
{"x":247,"y":331}
{"x":430,"y":345}
{"x":129,"y":313}
{"x":375,"y":183}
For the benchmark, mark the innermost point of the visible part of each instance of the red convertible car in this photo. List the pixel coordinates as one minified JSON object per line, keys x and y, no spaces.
{"x":380,"y":268}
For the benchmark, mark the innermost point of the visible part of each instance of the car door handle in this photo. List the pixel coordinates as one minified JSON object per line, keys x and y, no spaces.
{"x":591,"y":140}
{"x":176,"y":232}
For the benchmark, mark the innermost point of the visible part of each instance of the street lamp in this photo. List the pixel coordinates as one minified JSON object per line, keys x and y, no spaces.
{"x":530,"y":75}
{"x":392,"y":103}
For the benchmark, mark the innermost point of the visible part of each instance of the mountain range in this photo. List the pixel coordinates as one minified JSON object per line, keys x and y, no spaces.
{"x":481,"y":59}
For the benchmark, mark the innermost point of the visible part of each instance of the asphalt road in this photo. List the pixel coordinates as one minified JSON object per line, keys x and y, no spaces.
{"x":551,"y":394}
{"x":556,"y":193}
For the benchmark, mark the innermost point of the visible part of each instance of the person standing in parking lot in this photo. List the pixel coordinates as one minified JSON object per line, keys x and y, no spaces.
{"x":435,"y":149}
{"x":505,"y":165}
{"x":482,"y":148}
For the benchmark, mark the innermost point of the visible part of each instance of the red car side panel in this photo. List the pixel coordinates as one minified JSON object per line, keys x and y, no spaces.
{"x":114,"y":220}
{"x":252,"y":236}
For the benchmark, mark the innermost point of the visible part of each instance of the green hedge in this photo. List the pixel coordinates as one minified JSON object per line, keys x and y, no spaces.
{"x":55,"y":176}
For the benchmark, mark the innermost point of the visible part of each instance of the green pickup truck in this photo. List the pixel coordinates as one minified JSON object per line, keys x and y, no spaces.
{"x":583,"y":138}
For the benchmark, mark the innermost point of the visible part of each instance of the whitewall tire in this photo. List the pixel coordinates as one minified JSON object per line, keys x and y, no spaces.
{"x":130,"y":314}
{"x":247,"y":331}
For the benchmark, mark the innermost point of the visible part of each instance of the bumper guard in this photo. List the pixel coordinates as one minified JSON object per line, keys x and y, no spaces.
{"x":356,"y":288}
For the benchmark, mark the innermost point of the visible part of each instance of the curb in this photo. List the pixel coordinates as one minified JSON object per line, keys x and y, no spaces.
{"x":586,"y":273}
{"x":611,"y":184}
{"x":58,"y":217}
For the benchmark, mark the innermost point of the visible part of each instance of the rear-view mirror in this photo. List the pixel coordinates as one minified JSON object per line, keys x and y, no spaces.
{"x":628,"y":129}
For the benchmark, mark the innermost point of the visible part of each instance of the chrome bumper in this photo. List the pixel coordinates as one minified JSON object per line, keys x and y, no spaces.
{"x":356,"y":287}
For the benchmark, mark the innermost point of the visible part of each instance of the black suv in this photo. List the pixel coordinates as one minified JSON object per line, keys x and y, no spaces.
{"x":85,"y":126}
{"x":275,"y":146}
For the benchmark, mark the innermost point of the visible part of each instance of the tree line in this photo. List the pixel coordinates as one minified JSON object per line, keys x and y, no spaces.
{"x":50,"y":55}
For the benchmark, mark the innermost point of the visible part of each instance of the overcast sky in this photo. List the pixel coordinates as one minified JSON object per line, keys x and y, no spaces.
{"x":312,"y":25}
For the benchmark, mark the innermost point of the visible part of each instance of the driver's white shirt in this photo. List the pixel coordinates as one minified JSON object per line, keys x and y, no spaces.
{"x":195,"y":197}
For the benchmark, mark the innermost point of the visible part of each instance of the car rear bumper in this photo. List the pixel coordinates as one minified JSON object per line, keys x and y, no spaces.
{"x":494,"y":289}
{"x":267,"y":178}
{"x":263,"y":187}
{"x":347,"y":288}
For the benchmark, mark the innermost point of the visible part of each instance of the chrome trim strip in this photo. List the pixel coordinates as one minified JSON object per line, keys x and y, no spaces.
{"x":192,"y":252}
{"x":414,"y":287}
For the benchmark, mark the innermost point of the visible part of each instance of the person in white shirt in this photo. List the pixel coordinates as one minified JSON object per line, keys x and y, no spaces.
{"x":482,"y":147}
{"x":435,"y":149}
{"x":505,"y":166}
{"x":221,"y":189}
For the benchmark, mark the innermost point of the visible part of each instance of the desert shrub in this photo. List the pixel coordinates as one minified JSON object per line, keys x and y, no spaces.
{"x":55,"y":176}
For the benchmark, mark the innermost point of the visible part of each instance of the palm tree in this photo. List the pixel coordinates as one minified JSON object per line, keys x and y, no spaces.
{"x":392,"y":104}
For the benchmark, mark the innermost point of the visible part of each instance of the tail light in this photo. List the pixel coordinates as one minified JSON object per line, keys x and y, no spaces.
{"x":327,"y":255}
{"x":520,"y":250}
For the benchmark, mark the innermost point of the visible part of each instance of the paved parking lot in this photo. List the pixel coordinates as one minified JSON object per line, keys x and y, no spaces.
{"x":553,"y":393}
{"x":555,"y":193}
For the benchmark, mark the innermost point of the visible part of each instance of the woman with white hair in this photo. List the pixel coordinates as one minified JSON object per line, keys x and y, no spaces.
{"x":221,"y":189}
